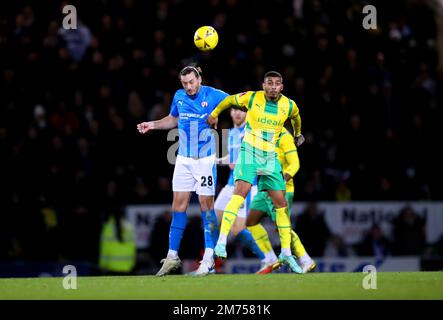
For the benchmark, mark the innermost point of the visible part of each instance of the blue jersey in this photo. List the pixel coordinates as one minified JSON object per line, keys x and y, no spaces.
{"x":235,"y":139}
{"x":196,"y":138}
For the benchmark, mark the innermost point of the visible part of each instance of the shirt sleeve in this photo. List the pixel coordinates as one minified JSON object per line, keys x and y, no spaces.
{"x":295,"y":111}
{"x":239,"y":100}
{"x":242,"y":99}
{"x":295,"y":118}
{"x":289,"y":149}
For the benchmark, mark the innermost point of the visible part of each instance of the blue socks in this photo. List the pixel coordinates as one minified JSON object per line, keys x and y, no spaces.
{"x":178,"y":225}
{"x":248,"y":241}
{"x":211,"y":228}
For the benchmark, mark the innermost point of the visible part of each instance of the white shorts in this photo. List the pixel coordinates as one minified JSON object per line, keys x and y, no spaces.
{"x":197,"y":175}
{"x":226,"y":194}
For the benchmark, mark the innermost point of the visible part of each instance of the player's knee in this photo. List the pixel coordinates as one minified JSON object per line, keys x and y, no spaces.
{"x":237,"y":229}
{"x":250,"y":223}
{"x":280,"y":203}
{"x":179,"y":205}
{"x":180,"y":201}
{"x":206,"y":203}
{"x":179,"y":208}
{"x":242,"y":188}
{"x":254,"y":218}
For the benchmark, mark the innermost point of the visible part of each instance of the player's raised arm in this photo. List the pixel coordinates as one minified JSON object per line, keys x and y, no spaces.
{"x":238,"y":101}
{"x":165,"y":123}
{"x":223,"y":105}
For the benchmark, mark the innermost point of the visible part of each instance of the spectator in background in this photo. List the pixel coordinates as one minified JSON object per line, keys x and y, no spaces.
{"x":312,"y":228}
{"x":118,"y":253}
{"x":40,"y":121}
{"x":76,"y":40}
{"x":336,"y":247}
{"x":343,"y":193}
{"x":374,"y":243}
{"x":140,"y":193}
{"x":409,"y":233}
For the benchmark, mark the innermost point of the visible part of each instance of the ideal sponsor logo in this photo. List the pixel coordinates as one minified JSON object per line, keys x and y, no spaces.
{"x":266,"y":120}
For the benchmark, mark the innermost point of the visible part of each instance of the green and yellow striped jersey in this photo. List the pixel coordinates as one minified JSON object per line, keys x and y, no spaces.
{"x":265,"y":118}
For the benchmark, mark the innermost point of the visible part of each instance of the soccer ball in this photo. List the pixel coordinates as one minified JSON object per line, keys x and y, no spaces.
{"x":206,"y":38}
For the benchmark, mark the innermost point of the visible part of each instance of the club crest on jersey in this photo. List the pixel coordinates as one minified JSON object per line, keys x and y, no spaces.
{"x":204,"y":104}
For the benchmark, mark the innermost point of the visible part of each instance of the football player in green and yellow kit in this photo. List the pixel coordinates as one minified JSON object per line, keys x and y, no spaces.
{"x":267,"y":111}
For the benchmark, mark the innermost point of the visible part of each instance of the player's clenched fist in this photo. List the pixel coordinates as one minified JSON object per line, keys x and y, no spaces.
{"x":299,"y":140}
{"x":145,"y":126}
{"x":212,"y":121}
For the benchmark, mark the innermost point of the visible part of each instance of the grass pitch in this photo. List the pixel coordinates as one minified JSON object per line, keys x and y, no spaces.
{"x":390,"y":285}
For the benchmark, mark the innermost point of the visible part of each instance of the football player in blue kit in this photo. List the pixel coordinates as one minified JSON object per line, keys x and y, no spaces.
{"x":195,"y":167}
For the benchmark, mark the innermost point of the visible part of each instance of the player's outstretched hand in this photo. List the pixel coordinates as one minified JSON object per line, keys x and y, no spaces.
{"x":144,"y":127}
{"x":212,"y":121}
{"x":299,"y":140}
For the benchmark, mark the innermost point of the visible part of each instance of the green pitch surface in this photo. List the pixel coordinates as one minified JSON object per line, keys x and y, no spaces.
{"x":390,"y":285}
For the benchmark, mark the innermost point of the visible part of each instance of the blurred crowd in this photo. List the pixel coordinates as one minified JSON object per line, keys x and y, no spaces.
{"x":370,"y":101}
{"x":407,"y":237}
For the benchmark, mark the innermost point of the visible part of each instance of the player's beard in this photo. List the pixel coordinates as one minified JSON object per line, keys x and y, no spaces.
{"x":273,"y":95}
{"x":194,"y":93}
